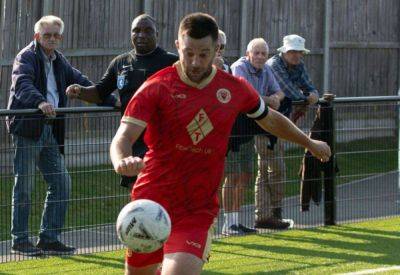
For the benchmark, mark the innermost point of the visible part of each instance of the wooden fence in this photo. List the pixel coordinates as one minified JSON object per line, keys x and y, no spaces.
{"x":355,"y":44}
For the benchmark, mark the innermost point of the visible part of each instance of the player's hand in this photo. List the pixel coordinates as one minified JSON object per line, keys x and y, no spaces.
{"x":312,"y":98}
{"x":73,"y":91}
{"x":130,"y":166}
{"x":47,"y":109}
{"x":320,"y":150}
{"x":272,"y":101}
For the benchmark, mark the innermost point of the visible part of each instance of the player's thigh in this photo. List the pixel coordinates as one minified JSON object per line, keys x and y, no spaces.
{"x":191,"y":235}
{"x":181,"y":263}
{"x":146,"y":270}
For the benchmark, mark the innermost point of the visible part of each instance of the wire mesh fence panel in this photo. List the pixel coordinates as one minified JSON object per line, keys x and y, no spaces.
{"x":94,"y":197}
{"x":367,"y":156}
{"x":262,"y":178}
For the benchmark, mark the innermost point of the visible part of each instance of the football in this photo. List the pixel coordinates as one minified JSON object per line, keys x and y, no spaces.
{"x":143,"y":226}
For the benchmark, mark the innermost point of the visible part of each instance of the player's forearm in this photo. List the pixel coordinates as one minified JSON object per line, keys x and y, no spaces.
{"x":120,"y":148}
{"x":280,"y":126}
{"x":90,"y":94}
{"x":121,"y":145}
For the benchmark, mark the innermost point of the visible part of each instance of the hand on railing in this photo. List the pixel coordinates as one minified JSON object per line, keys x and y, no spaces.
{"x":47,"y":109}
{"x":312,"y":98}
{"x":74,"y":91}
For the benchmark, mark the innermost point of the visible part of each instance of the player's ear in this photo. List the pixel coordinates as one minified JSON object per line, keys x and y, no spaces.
{"x":177,"y":44}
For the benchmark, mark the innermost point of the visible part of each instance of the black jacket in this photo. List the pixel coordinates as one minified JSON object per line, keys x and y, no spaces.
{"x":29,"y":89}
{"x":311,"y":168}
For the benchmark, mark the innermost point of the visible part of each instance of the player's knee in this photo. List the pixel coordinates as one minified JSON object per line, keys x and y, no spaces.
{"x":146,"y":270}
{"x":181,"y":264}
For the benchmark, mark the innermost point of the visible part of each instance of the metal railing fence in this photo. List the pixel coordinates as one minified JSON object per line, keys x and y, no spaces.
{"x":361,"y":183}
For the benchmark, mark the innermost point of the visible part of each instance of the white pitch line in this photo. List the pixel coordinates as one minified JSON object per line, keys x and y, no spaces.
{"x":373,"y":271}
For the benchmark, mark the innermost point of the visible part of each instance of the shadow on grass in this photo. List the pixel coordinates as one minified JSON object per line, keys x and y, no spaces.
{"x":353,"y":244}
{"x":100,"y":260}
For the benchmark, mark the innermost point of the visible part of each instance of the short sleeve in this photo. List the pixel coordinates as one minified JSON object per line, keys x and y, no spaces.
{"x":250,"y":96}
{"x":108,"y":83}
{"x":253,"y":105}
{"x":143,"y":104}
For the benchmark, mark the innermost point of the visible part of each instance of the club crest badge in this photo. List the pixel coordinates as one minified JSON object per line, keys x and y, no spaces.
{"x":121,"y":81}
{"x":224,"y":95}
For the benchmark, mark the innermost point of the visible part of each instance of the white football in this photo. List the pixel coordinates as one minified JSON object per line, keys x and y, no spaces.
{"x":143,"y":226}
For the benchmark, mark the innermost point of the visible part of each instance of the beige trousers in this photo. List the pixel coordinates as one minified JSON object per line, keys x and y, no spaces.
{"x":269,"y":189}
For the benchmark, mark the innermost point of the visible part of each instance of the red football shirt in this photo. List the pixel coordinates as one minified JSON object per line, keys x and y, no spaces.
{"x":188,"y":126}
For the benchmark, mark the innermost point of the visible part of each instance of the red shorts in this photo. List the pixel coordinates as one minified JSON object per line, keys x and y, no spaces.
{"x":191,"y":234}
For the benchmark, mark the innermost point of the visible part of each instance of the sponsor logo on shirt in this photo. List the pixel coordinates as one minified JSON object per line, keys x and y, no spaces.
{"x":224,"y":95}
{"x":199,"y":127}
{"x":179,"y":96}
{"x":192,"y":243}
{"x":194,"y":149}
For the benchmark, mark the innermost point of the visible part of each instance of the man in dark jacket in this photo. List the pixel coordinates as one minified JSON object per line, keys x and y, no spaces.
{"x":40,"y":77}
{"x":127,"y":72}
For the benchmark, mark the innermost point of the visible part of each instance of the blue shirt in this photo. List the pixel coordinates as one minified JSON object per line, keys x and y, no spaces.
{"x":261,"y":80}
{"x":294,"y":82}
{"x":52,"y":93}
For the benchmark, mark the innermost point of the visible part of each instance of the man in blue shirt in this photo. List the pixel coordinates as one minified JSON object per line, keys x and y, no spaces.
{"x":290,"y":72}
{"x":239,"y":169}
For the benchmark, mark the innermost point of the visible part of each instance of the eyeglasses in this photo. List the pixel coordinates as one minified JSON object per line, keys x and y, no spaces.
{"x":56,"y":35}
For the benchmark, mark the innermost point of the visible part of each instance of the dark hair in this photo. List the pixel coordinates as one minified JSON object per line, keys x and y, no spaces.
{"x":199,"y":25}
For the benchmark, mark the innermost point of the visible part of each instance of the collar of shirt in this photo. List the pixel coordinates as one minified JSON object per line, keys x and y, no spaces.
{"x":47,"y":58}
{"x":252,"y":70}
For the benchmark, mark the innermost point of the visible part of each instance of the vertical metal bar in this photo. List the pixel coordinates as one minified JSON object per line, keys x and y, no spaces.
{"x":327,"y":114}
{"x":327,"y":27}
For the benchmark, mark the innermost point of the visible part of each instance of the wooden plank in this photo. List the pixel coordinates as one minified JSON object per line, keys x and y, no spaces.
{"x":365,"y":45}
{"x":1,"y":29}
{"x":243,"y":26}
{"x":47,"y":7}
{"x":365,"y":35}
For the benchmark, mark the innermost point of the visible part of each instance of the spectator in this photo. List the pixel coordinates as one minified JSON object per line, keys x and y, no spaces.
{"x":256,"y":72}
{"x":128,"y":71}
{"x":291,"y":74}
{"x":40,"y":76}
{"x":219,"y":59}
{"x":289,"y":71}
{"x":238,"y":170}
